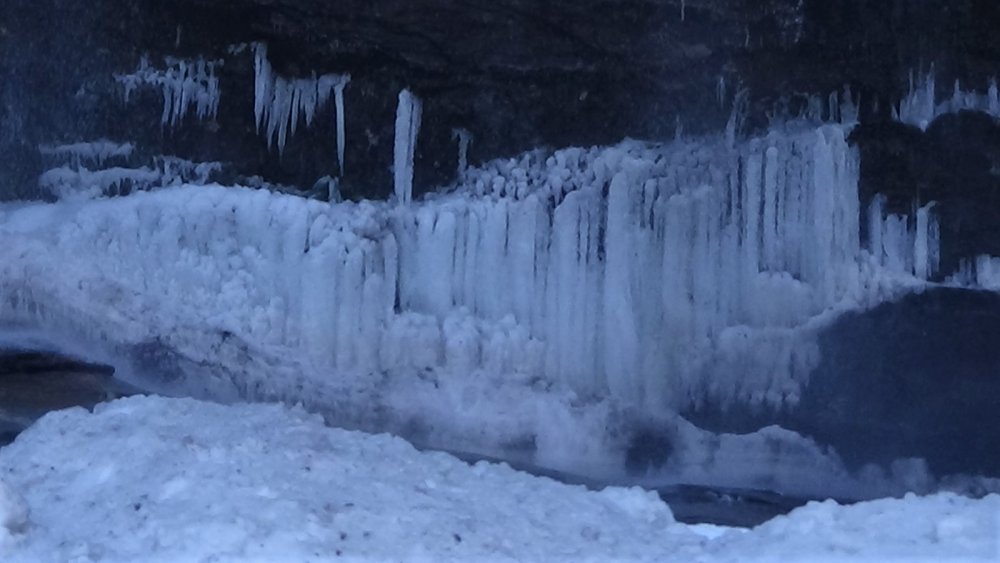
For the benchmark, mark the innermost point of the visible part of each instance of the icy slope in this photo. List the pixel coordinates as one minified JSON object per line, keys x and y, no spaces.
{"x":154,"y":479}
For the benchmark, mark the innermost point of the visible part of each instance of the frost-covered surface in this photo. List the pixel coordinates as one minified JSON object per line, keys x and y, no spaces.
{"x":921,"y":106}
{"x":92,"y":153}
{"x":280,"y":103}
{"x":547,"y":300}
{"x":152,"y":479}
{"x":184,"y":85}
{"x":75,"y":180}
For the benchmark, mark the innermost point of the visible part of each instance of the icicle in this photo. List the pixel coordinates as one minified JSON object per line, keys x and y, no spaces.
{"x":925,"y":244}
{"x":407,"y":127}
{"x":338,"y":91}
{"x":738,"y":116}
{"x":464,"y":138}
{"x":280,"y":103}
{"x":720,"y":91}
{"x":182,"y":84}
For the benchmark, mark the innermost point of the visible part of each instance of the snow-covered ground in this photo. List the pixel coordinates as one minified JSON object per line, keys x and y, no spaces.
{"x":156,"y":479}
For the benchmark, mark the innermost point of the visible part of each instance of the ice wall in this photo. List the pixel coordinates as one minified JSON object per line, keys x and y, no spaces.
{"x":653,"y":274}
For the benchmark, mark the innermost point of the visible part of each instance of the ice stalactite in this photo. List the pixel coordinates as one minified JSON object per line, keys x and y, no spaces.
{"x":338,"y":94}
{"x":920,"y":106}
{"x":184,"y":84}
{"x":464,"y":138}
{"x":408,"y":115}
{"x":280,"y":103}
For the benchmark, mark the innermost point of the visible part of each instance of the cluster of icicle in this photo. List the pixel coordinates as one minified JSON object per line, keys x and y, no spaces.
{"x":184,"y":85}
{"x":281,"y":103}
{"x":921,"y":106}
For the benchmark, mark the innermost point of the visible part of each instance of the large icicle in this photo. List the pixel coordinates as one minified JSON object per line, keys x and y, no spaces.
{"x":408,"y":115}
{"x":338,"y":93}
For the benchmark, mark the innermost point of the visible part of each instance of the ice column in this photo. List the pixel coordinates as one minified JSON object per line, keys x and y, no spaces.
{"x":408,"y":115}
{"x":338,"y":93}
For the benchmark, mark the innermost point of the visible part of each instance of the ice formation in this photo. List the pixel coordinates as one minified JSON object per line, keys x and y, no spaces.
{"x":94,"y":152}
{"x":920,"y":107}
{"x":408,"y":115}
{"x":184,"y":84}
{"x":901,"y":245}
{"x":83,"y":175}
{"x":654,"y":274}
{"x":464,"y":138}
{"x":280,"y":103}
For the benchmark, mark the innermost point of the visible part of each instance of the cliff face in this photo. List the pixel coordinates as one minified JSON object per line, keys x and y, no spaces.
{"x":515,"y":73}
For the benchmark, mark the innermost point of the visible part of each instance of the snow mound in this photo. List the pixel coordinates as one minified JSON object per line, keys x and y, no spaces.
{"x":13,"y":518}
{"x":157,"y":479}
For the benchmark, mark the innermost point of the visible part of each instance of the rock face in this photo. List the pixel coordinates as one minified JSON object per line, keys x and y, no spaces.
{"x":515,"y":73}
{"x":915,"y":378}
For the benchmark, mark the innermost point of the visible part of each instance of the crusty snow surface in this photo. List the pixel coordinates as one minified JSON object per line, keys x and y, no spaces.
{"x":157,"y":479}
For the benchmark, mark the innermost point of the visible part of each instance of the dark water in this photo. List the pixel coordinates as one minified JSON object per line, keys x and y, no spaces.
{"x":34,"y":382}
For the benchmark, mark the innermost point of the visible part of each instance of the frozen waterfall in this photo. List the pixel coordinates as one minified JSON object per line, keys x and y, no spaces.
{"x":656,"y":274}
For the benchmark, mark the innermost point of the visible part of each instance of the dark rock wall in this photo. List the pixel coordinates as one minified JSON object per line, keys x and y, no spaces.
{"x":516,"y":73}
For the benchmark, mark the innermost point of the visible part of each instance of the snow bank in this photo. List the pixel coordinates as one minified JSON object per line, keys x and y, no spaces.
{"x":169,"y":480}
{"x":13,"y":519}
{"x":155,"y":479}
